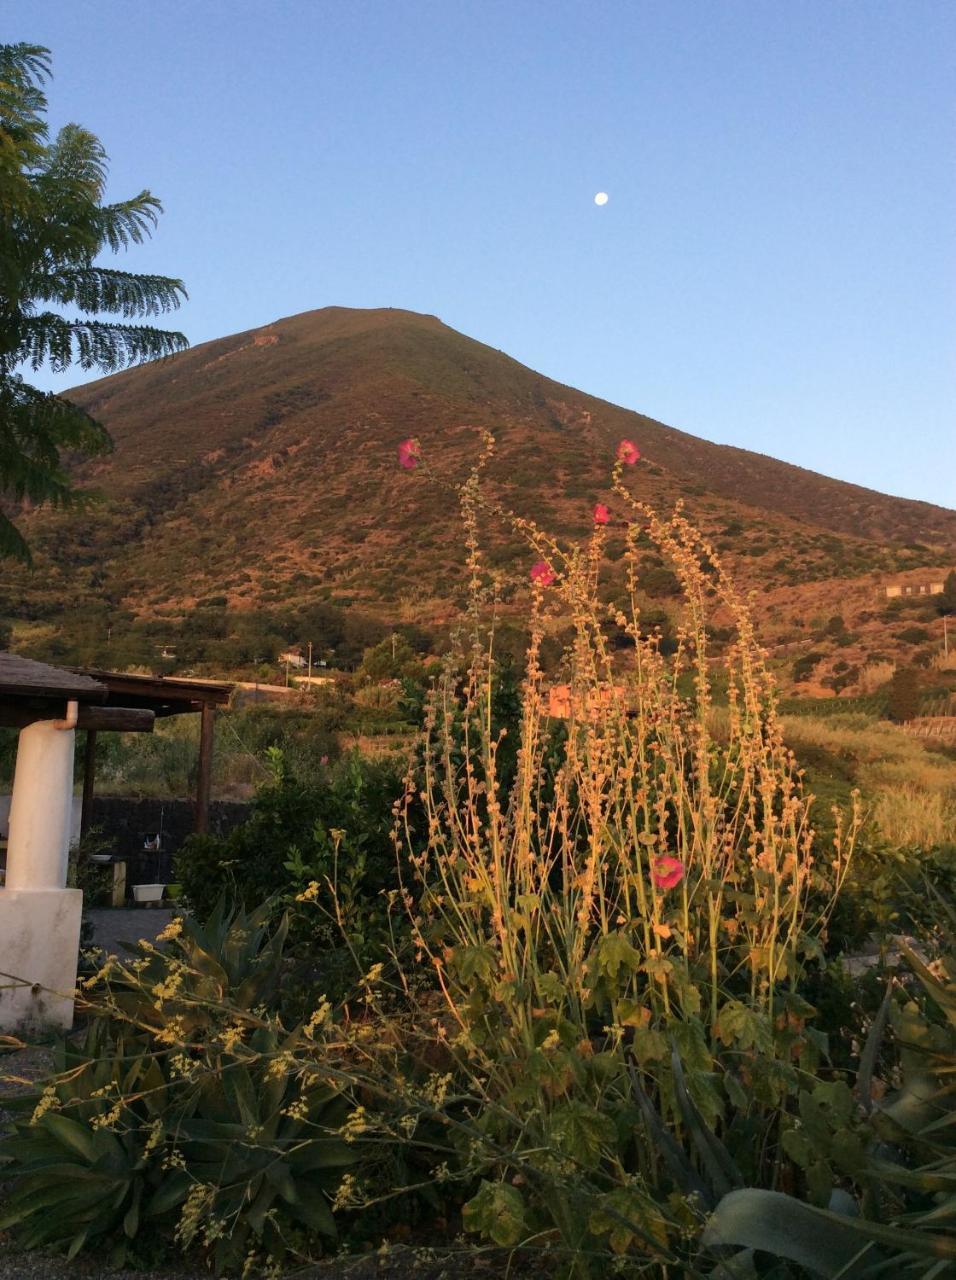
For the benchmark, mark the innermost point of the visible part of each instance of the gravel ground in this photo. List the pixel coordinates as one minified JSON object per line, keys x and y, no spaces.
{"x":117,"y":929}
{"x":399,"y":1263}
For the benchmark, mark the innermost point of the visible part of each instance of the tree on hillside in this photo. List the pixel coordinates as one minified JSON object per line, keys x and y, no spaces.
{"x":390,"y":660}
{"x":53,"y":227}
{"x":947,"y":601}
{"x":902,"y":702}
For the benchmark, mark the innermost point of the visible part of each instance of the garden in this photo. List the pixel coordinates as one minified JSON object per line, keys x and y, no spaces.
{"x":606,"y":993}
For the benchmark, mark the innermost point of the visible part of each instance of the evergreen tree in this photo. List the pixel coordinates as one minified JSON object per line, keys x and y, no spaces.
{"x":947,"y":601}
{"x":53,"y":227}
{"x":903,"y":695}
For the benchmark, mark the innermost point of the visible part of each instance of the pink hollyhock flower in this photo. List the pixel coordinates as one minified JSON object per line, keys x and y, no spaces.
{"x":409,"y":454}
{"x":627,"y":451}
{"x":542,"y":573}
{"x":667,"y":872}
{"x":601,"y":514}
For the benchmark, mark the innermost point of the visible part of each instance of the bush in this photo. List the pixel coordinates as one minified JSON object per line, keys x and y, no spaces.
{"x":629,"y":920}
{"x":334,"y":832}
{"x":804,"y":666}
{"x":913,"y":635}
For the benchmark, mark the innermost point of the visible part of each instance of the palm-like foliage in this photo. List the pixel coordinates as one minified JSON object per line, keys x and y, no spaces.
{"x":53,"y":226}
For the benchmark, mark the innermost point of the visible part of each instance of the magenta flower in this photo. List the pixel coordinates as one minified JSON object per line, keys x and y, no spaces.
{"x":601,"y":514}
{"x":667,"y":872}
{"x":542,"y":573}
{"x":627,"y":451}
{"x":409,"y":454}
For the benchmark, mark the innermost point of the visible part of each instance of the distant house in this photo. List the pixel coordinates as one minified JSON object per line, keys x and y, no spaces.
{"x":293,"y":658}
{"x":894,"y":589}
{"x":561,"y":704}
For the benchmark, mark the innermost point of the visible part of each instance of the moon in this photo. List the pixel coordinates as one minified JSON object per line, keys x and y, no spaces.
{"x":601,"y":198}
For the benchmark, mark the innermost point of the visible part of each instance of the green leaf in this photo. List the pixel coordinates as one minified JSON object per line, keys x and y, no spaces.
{"x":615,"y":952}
{"x":171,"y":1192}
{"x":580,"y":1132}
{"x":73,"y":1135}
{"x":497,"y":1211}
{"x":312,"y":1207}
{"x":785,"y":1228}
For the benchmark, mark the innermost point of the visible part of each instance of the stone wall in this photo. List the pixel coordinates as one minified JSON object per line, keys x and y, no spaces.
{"x":125,"y":823}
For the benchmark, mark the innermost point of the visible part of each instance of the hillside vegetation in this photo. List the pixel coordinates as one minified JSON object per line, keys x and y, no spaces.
{"x":257,"y":473}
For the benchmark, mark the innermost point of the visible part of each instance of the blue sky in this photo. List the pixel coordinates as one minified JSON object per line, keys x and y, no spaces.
{"x":775,"y":267}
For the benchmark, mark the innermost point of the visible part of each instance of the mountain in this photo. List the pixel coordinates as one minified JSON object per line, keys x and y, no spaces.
{"x":260,"y":469}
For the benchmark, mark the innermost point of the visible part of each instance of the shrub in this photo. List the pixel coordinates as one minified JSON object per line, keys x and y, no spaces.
{"x":804,"y":666}
{"x":913,"y":635}
{"x":334,"y":832}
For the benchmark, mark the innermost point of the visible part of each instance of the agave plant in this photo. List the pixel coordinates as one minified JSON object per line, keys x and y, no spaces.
{"x":187,"y":1107}
{"x":85,"y":1166}
{"x":263,"y":1154}
{"x":202,"y":972}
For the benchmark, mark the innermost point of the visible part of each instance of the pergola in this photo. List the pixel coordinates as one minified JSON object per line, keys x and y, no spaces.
{"x":156,"y":696}
{"x":110,"y":701}
{"x":39,"y":916}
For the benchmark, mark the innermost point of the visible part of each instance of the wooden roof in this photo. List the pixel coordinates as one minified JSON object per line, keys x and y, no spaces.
{"x":161,"y":694}
{"x":22,"y":678}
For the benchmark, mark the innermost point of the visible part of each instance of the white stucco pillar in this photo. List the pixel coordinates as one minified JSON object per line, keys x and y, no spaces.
{"x":39,"y":917}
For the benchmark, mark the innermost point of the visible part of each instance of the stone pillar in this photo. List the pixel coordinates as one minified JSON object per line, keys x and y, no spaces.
{"x":39,"y":916}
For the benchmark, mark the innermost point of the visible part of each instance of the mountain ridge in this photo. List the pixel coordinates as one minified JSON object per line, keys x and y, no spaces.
{"x":678,"y":449}
{"x":258,"y":472}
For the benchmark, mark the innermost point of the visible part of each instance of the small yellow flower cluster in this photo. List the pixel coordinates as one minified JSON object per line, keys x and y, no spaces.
{"x":48,"y":1102}
{"x":173,"y":1031}
{"x":172,"y":930}
{"x":156,"y":1135}
{"x":319,"y":1017}
{"x":198,"y":1199}
{"x":356,"y":1124}
{"x":169,"y":988}
{"x":297,"y":1110}
{"x":283,"y":1064}
{"x":436,"y":1089}
{"x":346,"y":1196}
{"x":101,"y":975}
{"x":310,"y":894}
{"x":231,"y":1037}
{"x":109,"y":1118}
{"x":180,"y":1064}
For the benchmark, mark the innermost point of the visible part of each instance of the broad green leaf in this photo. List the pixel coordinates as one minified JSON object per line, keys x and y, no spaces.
{"x":783,"y":1227}
{"x":497,"y":1211}
{"x":580,"y":1132}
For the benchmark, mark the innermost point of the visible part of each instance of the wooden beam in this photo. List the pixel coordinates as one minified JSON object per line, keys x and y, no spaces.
{"x":116,"y":719}
{"x":17,"y":715}
{"x":89,"y":778}
{"x":204,"y":784}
